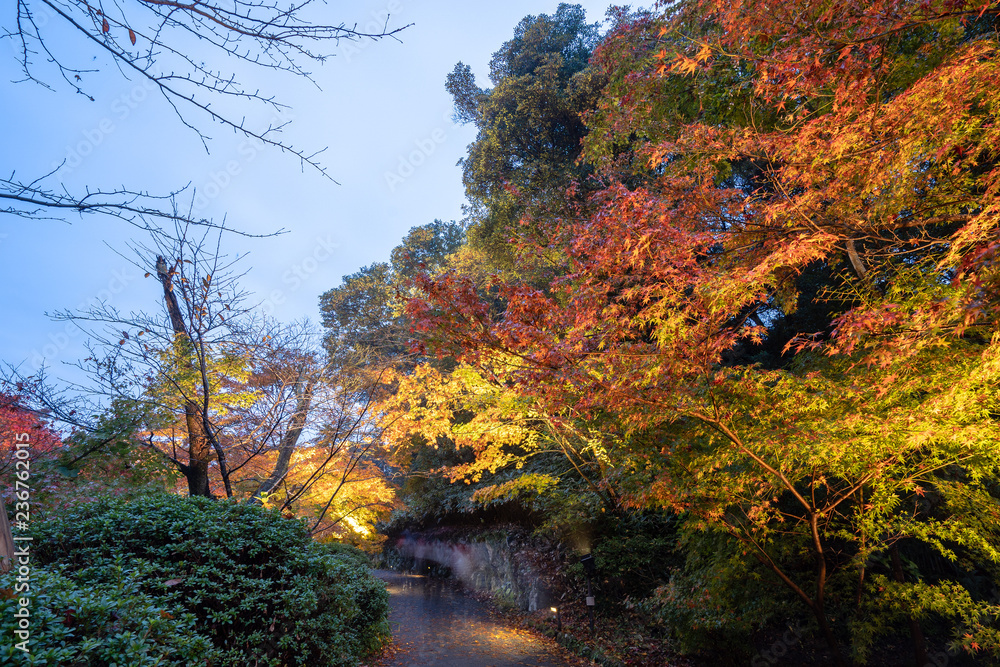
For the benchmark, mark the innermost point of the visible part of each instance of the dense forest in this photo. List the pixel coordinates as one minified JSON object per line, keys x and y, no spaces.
{"x":723,"y":314}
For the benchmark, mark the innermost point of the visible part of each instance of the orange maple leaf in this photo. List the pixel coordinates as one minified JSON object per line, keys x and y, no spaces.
{"x":685,"y":65}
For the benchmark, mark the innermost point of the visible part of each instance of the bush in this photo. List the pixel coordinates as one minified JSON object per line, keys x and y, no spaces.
{"x":260,"y":588}
{"x":95,"y":626}
{"x":718,"y":599}
{"x":347,"y":552}
{"x":635,"y":554}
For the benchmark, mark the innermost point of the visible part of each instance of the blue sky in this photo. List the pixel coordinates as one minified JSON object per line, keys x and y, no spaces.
{"x":380,"y":109}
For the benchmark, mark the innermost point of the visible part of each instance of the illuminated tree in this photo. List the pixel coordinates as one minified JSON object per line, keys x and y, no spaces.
{"x":852,"y":140}
{"x":26,"y":444}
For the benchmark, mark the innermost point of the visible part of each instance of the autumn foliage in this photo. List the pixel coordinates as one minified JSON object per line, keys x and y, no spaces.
{"x":22,"y":429}
{"x":758,"y":162}
{"x":728,"y":284}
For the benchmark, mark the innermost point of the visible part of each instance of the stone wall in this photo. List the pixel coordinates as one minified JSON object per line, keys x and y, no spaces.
{"x":507,"y":564}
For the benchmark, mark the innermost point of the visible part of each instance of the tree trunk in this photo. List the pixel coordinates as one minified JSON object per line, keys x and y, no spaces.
{"x":220,"y":455}
{"x":290,"y":438}
{"x":856,"y":261}
{"x":819,"y":606}
{"x":831,"y":641}
{"x":6,"y":541}
{"x":199,"y":451}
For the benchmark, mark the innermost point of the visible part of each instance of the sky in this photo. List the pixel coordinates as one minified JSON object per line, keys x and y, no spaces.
{"x":379,"y":108}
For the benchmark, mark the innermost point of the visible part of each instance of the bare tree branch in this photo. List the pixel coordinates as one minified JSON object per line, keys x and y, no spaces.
{"x":190,"y":53}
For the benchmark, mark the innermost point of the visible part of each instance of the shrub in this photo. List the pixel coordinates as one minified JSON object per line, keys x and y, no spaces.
{"x":347,"y":552}
{"x":717,"y":599}
{"x":635,"y":554}
{"x":260,"y":589}
{"x":94,"y":626}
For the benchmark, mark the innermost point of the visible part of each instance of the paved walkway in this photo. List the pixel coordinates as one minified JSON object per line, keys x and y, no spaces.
{"x":434,"y":625}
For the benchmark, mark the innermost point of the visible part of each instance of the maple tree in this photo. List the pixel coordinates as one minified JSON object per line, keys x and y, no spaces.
{"x":295,"y":430}
{"x":190,"y":363}
{"x":20,"y":431}
{"x":491,"y":430}
{"x":40,"y":468}
{"x":325,"y":465}
{"x":205,"y":386}
{"x":340,"y":491}
{"x":849,"y":140}
{"x":209,"y":393}
{"x":68,"y":468}
{"x":42,"y":441}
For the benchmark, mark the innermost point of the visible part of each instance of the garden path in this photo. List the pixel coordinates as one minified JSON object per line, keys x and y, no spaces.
{"x":435,"y":625}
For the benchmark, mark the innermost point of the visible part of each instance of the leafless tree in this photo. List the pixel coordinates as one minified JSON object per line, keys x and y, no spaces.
{"x":188,"y":51}
{"x":176,"y":362}
{"x":226,"y":395}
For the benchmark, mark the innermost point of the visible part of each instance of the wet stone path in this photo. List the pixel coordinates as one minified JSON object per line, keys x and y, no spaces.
{"x":434,"y":625}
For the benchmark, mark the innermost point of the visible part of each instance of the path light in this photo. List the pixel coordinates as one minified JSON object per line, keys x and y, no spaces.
{"x":555,"y":610}
{"x":590,"y":568}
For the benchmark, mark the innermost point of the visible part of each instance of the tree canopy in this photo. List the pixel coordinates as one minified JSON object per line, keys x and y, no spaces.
{"x":529,"y":126}
{"x":777,"y":310}
{"x":724,"y":311}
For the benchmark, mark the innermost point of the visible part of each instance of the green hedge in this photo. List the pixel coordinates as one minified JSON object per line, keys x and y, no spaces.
{"x":77,"y":625}
{"x":259,"y":588}
{"x":348,"y":552}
